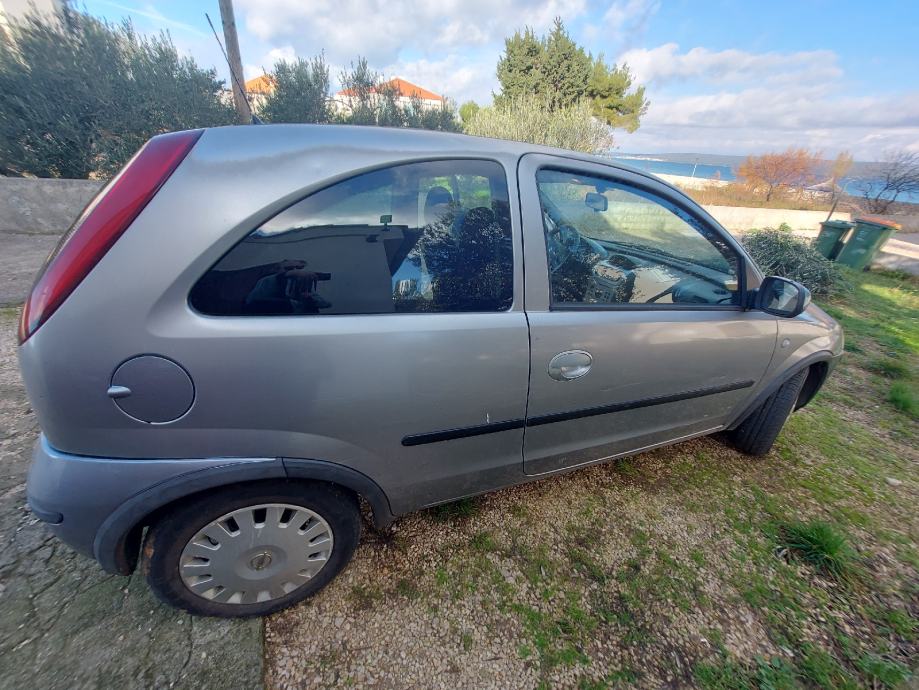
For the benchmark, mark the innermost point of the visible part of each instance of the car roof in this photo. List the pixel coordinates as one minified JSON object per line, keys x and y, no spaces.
{"x":399,"y":138}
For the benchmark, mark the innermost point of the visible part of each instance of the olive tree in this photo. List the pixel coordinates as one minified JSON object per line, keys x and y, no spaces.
{"x":530,"y":119}
{"x":81,"y":95}
{"x":301,"y":92}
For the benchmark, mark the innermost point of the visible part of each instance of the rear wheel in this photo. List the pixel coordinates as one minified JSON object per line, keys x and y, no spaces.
{"x":758,"y":431}
{"x":251,"y":550}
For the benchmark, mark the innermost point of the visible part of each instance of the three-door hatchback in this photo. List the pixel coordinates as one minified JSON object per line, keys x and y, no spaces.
{"x":250,"y":328}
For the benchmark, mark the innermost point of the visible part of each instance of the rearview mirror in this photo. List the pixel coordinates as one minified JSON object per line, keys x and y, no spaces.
{"x":782,"y":297}
{"x":596,"y":201}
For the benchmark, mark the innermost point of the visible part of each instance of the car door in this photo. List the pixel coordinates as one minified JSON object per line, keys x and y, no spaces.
{"x":633,"y":297}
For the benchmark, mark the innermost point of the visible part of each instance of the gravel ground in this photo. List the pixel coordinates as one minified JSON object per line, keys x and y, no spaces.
{"x":64,"y":623}
{"x":422,"y":607}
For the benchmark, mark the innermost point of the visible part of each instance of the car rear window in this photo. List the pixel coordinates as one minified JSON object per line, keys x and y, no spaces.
{"x":413,"y":238}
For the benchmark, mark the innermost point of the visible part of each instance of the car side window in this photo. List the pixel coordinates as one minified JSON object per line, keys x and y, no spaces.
{"x":612,"y":244}
{"x":413,"y":238}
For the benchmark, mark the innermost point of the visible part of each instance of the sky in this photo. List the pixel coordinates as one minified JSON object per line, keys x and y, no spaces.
{"x":722,"y":77}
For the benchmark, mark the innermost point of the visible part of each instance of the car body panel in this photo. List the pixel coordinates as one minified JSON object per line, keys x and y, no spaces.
{"x":639,"y":352}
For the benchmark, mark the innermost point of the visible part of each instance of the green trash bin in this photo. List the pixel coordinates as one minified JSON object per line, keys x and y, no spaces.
{"x":830,"y":239}
{"x":866,"y":239}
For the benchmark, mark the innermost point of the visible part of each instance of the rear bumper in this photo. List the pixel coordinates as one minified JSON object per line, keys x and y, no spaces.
{"x":95,"y":504}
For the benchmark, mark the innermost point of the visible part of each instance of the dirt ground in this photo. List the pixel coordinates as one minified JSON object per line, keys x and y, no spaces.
{"x":64,"y":623}
{"x":673,"y":568}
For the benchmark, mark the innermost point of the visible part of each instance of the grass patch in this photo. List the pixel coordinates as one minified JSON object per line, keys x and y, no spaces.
{"x":884,"y":672}
{"x":462,"y":509}
{"x":483,"y":541}
{"x":888,"y":368}
{"x":822,"y":545}
{"x":364,"y":597}
{"x":406,"y":588}
{"x":902,"y":396}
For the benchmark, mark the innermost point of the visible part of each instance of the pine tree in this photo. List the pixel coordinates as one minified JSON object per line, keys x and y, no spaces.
{"x":608,"y":91}
{"x":561,"y":73}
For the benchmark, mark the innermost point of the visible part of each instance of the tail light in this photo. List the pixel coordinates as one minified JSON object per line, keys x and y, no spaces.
{"x":100,"y":225}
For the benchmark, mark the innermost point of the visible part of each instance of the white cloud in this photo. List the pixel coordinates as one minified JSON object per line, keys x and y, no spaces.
{"x":626,"y":18}
{"x":456,"y":76}
{"x":758,"y":119}
{"x":666,"y":64}
{"x":381,"y":30}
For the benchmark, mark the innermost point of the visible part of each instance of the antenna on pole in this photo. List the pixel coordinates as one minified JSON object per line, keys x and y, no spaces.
{"x":240,"y":97}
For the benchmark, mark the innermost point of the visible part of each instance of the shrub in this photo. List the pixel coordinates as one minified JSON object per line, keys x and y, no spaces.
{"x":782,"y":254}
{"x":529,"y":118}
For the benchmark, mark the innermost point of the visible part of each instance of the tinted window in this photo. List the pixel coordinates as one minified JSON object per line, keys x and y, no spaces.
{"x":612,"y":244}
{"x":422,"y":237}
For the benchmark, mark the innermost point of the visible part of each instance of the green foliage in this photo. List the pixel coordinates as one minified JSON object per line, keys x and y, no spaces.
{"x":463,"y":508}
{"x":780,"y":253}
{"x":889,"y":368}
{"x":528,"y":118}
{"x":561,"y":74}
{"x":373,"y":101}
{"x":468,"y":110}
{"x":883,"y":672}
{"x":823,"y":670}
{"x":301,"y":92}
{"x":611,"y":98}
{"x":80,"y":95}
{"x":822,"y":545}
{"x":903,"y":396}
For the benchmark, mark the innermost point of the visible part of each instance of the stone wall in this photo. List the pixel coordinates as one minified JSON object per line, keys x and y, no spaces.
{"x":42,"y":206}
{"x":742,"y":218}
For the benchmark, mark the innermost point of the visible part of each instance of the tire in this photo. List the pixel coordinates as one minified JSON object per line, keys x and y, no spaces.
{"x":308,"y":534}
{"x":758,"y":431}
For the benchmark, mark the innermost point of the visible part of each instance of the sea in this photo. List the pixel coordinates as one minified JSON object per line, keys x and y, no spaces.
{"x":711,"y":166}
{"x":659,"y":166}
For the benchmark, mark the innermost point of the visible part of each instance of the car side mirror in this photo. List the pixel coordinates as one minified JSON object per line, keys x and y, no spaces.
{"x":782,"y":297}
{"x":598,"y":202}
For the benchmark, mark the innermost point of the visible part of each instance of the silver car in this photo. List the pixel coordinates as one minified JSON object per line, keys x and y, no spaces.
{"x":252,"y":328}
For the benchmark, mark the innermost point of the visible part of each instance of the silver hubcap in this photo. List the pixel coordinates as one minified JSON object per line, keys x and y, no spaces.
{"x":256,"y":554}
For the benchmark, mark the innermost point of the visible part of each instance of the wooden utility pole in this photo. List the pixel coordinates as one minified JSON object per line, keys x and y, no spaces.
{"x":236,"y":64}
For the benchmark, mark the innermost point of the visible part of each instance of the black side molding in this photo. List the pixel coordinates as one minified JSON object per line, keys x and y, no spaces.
{"x":462,"y":432}
{"x":539,"y":420}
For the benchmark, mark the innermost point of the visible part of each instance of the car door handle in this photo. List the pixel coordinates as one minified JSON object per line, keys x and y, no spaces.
{"x":570,"y":365}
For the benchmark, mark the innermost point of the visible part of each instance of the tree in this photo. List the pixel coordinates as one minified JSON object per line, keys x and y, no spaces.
{"x":840,"y":167}
{"x":775,"y":173}
{"x":370,"y":100}
{"x":520,"y":68}
{"x":611,"y":100}
{"x":561,"y":73}
{"x":468,"y":110}
{"x":301,"y":92}
{"x":528,"y":118}
{"x":896,"y":175}
{"x":80,"y":95}
{"x":566,"y":69}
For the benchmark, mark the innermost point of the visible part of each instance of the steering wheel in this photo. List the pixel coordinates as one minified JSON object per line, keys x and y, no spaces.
{"x":694,"y":291}
{"x":562,"y":241}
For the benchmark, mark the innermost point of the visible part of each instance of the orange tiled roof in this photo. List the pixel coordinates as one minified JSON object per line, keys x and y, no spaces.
{"x":403,"y":88}
{"x":263,"y":84}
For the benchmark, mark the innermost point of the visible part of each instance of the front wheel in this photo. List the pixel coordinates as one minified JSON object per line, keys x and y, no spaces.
{"x":251,"y":550}
{"x":758,"y":431}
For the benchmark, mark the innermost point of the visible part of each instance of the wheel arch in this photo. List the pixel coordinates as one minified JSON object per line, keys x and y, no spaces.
{"x":820,"y":365}
{"x":117,"y":542}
